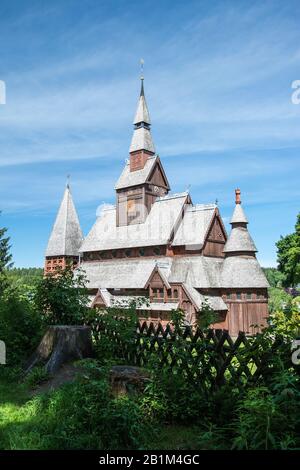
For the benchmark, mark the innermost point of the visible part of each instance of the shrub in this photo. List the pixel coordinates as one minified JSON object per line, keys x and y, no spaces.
{"x":20,"y":329}
{"x":62,"y":297}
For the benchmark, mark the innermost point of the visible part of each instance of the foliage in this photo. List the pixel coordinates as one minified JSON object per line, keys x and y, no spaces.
{"x":274,"y":276}
{"x":268,"y":418}
{"x":286,"y":320}
{"x":288,"y":256}
{"x":120,"y":321}
{"x":92,"y":419}
{"x":20,"y":329}
{"x":207,"y":316}
{"x":36,"y":376}
{"x":278,"y":299}
{"x":23,"y":282}
{"x":62,"y":297}
{"x":5,"y":258}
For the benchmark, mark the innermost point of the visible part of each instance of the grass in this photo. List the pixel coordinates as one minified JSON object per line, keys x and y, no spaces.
{"x":21,"y":417}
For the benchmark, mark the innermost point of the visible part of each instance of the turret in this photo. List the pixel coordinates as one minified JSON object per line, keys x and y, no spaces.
{"x":66,"y":236}
{"x":239,"y":242}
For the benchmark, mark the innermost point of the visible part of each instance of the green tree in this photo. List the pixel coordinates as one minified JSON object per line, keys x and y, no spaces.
{"x":288,"y":256}
{"x":274,"y":277}
{"x":5,"y":257}
{"x":62,"y":297}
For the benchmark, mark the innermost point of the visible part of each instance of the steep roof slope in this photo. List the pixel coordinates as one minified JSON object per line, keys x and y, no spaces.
{"x":66,"y":236}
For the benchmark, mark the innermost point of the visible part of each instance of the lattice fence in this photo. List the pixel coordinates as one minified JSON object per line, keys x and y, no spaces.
{"x":210,"y":359}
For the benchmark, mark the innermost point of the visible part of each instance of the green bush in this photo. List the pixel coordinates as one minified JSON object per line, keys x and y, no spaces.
{"x":20,"y":329}
{"x":62,"y":297}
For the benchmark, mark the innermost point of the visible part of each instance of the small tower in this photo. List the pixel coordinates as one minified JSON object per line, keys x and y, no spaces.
{"x":66,"y":236}
{"x":142,"y":146}
{"x":143,"y":179}
{"x":239,"y":242}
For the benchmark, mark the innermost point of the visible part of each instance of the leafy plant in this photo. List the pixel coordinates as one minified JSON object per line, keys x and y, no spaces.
{"x":20,"y":329}
{"x":62,"y":297}
{"x":288,"y":256}
{"x":36,"y":376}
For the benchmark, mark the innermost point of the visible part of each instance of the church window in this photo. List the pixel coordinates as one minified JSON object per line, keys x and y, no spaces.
{"x":114,"y":253}
{"x":156,"y":250}
{"x":248,"y":296}
{"x":142,"y":251}
{"x":175,"y":293}
{"x":127,"y":253}
{"x":238,"y":296}
{"x":158,"y":293}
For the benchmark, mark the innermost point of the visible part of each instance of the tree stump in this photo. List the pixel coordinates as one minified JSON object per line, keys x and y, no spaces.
{"x":123,"y":377}
{"x":61,"y":344}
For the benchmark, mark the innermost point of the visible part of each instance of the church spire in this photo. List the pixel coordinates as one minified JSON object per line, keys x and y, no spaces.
{"x":239,"y":241}
{"x":66,"y":236}
{"x":142,"y":145}
{"x":142,"y":116}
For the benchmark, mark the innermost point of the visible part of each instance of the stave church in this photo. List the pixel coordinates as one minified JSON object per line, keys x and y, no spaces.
{"x":163,"y":247}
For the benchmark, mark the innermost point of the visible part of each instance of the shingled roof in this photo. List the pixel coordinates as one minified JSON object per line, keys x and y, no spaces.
{"x":239,"y":240}
{"x":66,"y":236}
{"x":194,"y":225}
{"x":134,"y":178}
{"x":156,"y":230}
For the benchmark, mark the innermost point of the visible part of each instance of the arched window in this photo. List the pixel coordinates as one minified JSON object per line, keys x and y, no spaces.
{"x":175,"y":293}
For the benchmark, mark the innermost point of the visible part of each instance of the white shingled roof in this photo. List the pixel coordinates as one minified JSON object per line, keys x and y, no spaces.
{"x":156,"y":230}
{"x":215,"y":302}
{"x":197,"y":271}
{"x":238,"y":215}
{"x":66,"y":236}
{"x":142,"y":140}
{"x":194,"y":225}
{"x":238,"y":272}
{"x":119,"y":273}
{"x":134,"y":178}
{"x":239,"y":240}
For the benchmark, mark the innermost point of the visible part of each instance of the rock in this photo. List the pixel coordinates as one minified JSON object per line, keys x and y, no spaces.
{"x":124,"y":377}
{"x":60,"y":345}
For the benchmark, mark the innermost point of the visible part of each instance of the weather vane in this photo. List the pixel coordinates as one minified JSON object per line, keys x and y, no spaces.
{"x":68,"y":180}
{"x":142,"y":68}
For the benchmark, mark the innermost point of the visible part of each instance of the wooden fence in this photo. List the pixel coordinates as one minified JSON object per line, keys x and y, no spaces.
{"x":210,"y":358}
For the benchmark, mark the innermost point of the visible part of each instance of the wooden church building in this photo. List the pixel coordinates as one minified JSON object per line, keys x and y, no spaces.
{"x":163,"y":247}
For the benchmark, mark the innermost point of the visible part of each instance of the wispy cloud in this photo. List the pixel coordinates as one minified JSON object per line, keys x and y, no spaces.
{"x":218,"y":78}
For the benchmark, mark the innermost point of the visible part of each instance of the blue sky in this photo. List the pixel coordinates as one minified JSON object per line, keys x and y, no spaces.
{"x":218,"y":81}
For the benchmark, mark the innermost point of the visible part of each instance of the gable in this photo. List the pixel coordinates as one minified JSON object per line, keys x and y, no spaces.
{"x":157,"y":279}
{"x":216,"y":231}
{"x":157,"y":176}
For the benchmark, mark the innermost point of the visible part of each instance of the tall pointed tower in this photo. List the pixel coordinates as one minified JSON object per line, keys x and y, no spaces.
{"x":142,"y":146}
{"x":143,"y":178}
{"x":66,"y":236}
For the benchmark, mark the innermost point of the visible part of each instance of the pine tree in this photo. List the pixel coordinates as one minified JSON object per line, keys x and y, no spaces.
{"x":5,"y":257}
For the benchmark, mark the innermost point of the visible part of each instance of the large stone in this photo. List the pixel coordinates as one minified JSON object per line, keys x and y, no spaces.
{"x":60,"y":345}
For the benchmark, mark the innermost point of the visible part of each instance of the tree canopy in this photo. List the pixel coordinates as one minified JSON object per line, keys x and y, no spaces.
{"x":288,"y":256}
